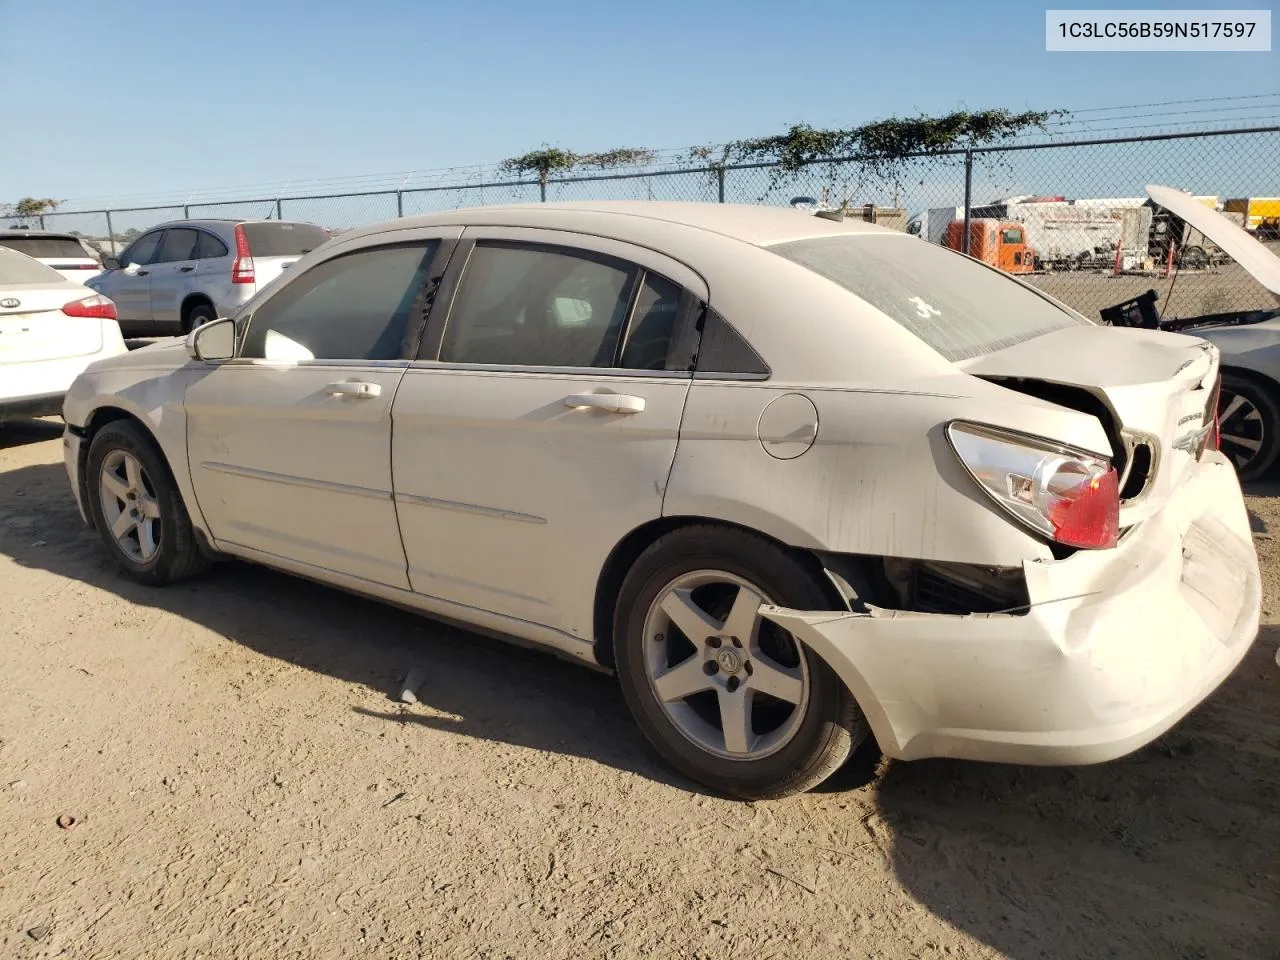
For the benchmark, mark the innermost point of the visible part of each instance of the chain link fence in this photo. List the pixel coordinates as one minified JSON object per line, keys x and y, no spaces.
{"x":1070,"y":218}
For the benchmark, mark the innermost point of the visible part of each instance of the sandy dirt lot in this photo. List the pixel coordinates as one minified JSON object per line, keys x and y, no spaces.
{"x":245,"y":785}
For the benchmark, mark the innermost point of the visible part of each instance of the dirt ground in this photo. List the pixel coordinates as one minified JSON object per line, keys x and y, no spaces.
{"x":245,"y":785}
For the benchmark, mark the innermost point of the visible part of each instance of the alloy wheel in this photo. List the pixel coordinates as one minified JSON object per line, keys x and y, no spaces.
{"x":1242,"y":430}
{"x":733,"y":683}
{"x":129,"y":506}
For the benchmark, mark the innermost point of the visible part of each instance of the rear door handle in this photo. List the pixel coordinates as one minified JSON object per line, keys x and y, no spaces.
{"x":609,"y":402}
{"x":359,"y":389}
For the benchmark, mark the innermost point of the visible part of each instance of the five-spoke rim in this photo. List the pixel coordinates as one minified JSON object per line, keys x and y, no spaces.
{"x":129,"y":506}
{"x":1241,"y":429}
{"x":731,"y":682}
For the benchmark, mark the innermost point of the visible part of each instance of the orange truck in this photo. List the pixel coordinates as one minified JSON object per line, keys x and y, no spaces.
{"x":1001,"y":243}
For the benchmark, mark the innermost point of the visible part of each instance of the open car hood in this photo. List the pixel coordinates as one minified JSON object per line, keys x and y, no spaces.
{"x":1261,"y":263}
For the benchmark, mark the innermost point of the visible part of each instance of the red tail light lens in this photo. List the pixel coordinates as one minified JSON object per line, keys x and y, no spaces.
{"x":1067,"y":495}
{"x":98,"y":306}
{"x":242,"y":266}
{"x":1084,"y":507}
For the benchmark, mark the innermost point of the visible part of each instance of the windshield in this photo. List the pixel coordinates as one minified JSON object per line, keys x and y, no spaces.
{"x":283,"y":239}
{"x":45,"y":246}
{"x":18,"y":269}
{"x":956,"y":305}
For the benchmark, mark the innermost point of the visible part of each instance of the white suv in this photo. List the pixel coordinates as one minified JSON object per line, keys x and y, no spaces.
{"x":179,"y":275}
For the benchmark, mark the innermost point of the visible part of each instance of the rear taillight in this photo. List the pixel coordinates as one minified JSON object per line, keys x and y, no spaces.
{"x":98,"y":306}
{"x":1069,"y":496}
{"x":242,"y":266}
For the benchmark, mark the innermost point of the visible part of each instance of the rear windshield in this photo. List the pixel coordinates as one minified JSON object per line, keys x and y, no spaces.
{"x":959,"y":307}
{"x":66,"y":247}
{"x":283,"y":239}
{"x":15,"y":268}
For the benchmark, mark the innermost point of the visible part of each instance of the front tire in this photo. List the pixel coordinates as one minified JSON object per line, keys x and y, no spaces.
{"x":136,"y":507}
{"x":1249,"y":425}
{"x":728,"y":698}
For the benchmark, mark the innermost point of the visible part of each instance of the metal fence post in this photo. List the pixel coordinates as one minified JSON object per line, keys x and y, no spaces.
{"x":968,"y":197}
{"x":399,"y":203}
{"x":186,"y":211}
{"x":111,"y":234}
{"x":720,"y":181}
{"x":542,"y":190}
{"x":279,"y":209}
{"x":42,"y":226}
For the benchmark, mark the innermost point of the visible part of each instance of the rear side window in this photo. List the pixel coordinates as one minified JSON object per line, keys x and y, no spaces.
{"x":209,"y":247}
{"x":959,"y":307}
{"x":20,"y":269}
{"x":272,"y":239}
{"x":143,"y":250}
{"x":534,"y":306}
{"x":65,"y":247}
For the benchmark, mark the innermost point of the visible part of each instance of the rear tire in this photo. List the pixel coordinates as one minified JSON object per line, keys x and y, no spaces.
{"x":137,"y":509}
{"x":199,"y":314}
{"x":796,"y":722}
{"x":1250,"y":425}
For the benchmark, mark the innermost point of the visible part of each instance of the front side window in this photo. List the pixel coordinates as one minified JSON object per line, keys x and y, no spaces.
{"x":353,"y":307}
{"x":956,"y":305}
{"x":143,"y":250}
{"x":178,"y":244}
{"x":533,"y":306}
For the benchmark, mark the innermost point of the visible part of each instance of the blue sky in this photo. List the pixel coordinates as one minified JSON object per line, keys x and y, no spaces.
{"x":137,"y":97}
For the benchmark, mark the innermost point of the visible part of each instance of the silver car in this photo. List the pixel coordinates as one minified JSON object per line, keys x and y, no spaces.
{"x":179,"y":275}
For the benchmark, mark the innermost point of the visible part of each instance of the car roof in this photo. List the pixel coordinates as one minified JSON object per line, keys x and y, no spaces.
{"x":750,"y":223}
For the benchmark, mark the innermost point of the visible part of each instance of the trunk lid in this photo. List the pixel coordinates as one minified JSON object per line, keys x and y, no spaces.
{"x":37,"y":329}
{"x":1156,"y":388}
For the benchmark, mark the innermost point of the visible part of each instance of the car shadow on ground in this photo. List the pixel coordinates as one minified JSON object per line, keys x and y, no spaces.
{"x":1168,"y":853}
{"x":474,"y":685}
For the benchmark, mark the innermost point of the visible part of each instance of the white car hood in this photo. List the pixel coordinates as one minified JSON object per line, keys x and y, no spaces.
{"x":1261,"y":263}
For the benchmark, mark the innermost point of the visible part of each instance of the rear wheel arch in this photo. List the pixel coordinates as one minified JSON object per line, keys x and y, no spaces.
{"x":189,"y":305}
{"x":629,"y":549}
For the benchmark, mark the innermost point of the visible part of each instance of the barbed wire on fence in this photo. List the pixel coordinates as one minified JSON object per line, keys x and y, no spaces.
{"x":1080,"y":245}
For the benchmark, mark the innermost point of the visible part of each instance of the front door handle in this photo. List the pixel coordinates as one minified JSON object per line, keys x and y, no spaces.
{"x":609,"y":402}
{"x":142,"y":273}
{"x":185,"y":269}
{"x":359,"y":389}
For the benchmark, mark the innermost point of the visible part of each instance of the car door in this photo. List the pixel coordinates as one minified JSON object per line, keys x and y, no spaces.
{"x":171,"y":275}
{"x":289,"y":444}
{"x":129,"y":286}
{"x":539,"y":426}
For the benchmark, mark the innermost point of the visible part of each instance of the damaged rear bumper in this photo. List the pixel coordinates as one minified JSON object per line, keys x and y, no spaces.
{"x":1117,"y":646}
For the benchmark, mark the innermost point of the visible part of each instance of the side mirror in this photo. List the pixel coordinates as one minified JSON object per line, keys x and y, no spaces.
{"x":131,"y":269}
{"x":110,"y":263}
{"x":215,"y":340}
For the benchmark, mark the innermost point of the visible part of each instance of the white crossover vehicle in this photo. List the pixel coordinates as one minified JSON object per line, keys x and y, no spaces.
{"x":50,"y":330}
{"x":798,"y":482}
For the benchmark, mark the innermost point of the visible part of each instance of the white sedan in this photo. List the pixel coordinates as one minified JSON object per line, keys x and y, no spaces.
{"x":50,"y":330}
{"x":799,"y":482}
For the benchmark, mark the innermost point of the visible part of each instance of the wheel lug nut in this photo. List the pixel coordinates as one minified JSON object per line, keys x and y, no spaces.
{"x":747,"y":666}
{"x":732,"y":684}
{"x":713,"y":642}
{"x":735,"y":641}
{"x":710,"y":668}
